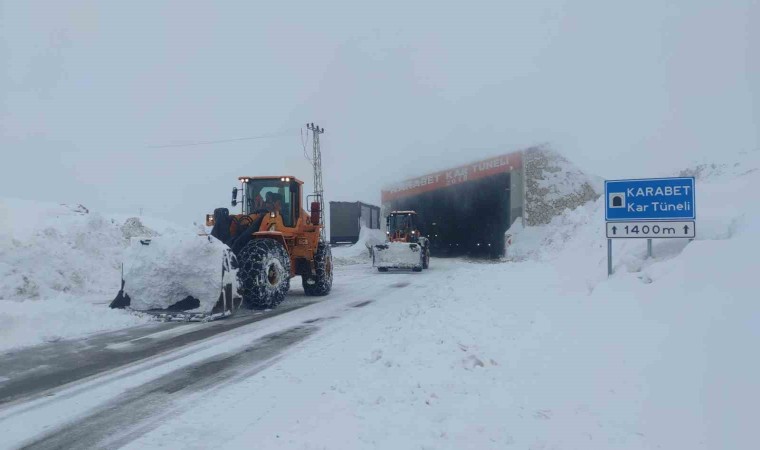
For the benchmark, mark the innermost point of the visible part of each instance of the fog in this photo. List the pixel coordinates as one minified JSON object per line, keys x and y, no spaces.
{"x":92,"y":94}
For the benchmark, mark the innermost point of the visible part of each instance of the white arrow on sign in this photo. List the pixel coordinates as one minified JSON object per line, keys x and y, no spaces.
{"x":651,"y":230}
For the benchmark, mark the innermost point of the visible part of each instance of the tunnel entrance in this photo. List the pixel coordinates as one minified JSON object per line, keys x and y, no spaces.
{"x":466,"y":219}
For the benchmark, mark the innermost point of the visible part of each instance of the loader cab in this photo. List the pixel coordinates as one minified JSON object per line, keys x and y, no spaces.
{"x":273,"y":194}
{"x":402,"y":226}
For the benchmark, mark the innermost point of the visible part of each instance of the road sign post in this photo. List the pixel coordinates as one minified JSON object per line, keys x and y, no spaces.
{"x":609,"y":257}
{"x":649,"y":208}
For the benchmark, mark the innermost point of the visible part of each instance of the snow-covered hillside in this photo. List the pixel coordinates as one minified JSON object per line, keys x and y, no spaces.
{"x":60,"y":267}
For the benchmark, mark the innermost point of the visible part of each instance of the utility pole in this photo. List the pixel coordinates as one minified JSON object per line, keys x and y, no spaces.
{"x":317,"y":163}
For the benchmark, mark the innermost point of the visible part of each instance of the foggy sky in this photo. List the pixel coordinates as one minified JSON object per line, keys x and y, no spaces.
{"x":624,"y":89}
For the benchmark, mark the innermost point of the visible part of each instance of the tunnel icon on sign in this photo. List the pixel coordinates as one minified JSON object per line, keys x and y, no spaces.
{"x":617,"y":200}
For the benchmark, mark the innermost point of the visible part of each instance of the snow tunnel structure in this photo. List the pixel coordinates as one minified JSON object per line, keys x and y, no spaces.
{"x":467,"y":210}
{"x":464,"y":210}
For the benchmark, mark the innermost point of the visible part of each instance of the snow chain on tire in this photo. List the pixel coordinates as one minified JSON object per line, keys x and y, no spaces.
{"x":321,"y":283}
{"x":263,"y":273}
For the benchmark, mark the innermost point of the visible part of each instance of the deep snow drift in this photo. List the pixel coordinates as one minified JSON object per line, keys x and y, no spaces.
{"x":60,"y":266}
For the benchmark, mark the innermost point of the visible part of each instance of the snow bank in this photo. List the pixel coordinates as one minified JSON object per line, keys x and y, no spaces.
{"x":58,"y":317}
{"x":60,"y":266}
{"x":50,"y":249}
{"x":173,"y":267}
{"x":359,"y":253}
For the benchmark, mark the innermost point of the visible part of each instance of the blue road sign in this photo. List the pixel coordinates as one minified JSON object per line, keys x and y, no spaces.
{"x":650,"y":199}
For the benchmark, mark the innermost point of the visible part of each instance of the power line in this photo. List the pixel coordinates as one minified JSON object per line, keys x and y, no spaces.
{"x":304,"y":141}
{"x":222,"y":141}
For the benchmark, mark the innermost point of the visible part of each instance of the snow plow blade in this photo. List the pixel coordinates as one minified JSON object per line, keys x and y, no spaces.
{"x":187,"y":278}
{"x":397,"y":255}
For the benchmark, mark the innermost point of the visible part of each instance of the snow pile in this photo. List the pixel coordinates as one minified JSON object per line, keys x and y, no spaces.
{"x":543,"y":242}
{"x":49,"y":249}
{"x":60,"y":266}
{"x":359,"y":253}
{"x":154,"y":226}
{"x":134,"y":227}
{"x":170,"y":268}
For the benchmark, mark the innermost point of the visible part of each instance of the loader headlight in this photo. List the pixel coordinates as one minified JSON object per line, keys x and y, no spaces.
{"x":273,"y":214}
{"x":387,"y":232}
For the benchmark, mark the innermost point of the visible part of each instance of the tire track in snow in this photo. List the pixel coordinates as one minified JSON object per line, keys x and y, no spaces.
{"x":142,"y":409}
{"x":36,"y":370}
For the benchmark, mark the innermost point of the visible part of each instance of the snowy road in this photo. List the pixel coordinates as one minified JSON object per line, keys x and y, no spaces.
{"x":35,"y":371}
{"x":106,"y":390}
{"x":135,"y":412}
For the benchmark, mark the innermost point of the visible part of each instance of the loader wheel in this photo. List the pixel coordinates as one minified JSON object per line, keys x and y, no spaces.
{"x":321,"y":283}
{"x":263,"y":273}
{"x":426,"y":258}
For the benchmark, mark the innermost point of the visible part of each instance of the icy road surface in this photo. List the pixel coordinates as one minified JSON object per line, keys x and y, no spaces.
{"x":464,"y":355}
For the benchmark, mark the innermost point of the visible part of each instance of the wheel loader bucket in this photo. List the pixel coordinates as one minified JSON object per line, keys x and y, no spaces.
{"x":397,"y":255}
{"x":182,"y":278}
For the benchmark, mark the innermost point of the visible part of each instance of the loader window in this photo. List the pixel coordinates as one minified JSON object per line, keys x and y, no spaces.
{"x":270,"y":195}
{"x":401,"y":222}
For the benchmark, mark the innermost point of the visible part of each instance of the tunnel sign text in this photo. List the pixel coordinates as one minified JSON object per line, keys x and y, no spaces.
{"x":651,"y":230}
{"x":650,"y":199}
